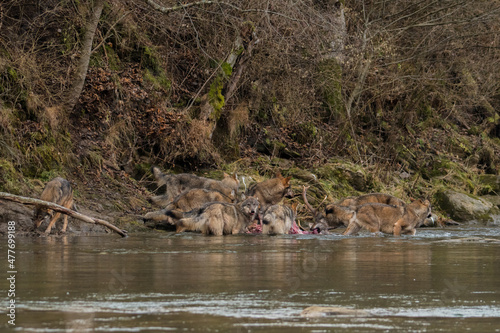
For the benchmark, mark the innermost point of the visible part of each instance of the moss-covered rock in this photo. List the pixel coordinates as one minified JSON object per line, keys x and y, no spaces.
{"x":467,"y":208}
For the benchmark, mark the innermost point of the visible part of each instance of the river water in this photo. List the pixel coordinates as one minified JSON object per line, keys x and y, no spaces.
{"x":155,"y":282}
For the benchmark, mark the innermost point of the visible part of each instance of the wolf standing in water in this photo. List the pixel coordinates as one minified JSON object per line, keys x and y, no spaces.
{"x":389,"y":219}
{"x":218,"y":218}
{"x":59,"y":191}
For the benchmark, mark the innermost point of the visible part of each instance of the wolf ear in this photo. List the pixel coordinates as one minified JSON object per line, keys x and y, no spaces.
{"x":225,"y":175}
{"x":278,"y":174}
{"x":294,"y":207}
{"x":243,"y":197}
{"x":286,"y":180}
{"x":235,"y":176}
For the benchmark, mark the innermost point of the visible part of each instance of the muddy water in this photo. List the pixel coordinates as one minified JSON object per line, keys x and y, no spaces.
{"x":166,"y":282}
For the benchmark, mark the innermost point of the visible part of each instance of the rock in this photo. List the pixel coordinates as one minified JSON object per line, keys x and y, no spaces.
{"x":494,"y":199}
{"x":466,"y":208}
{"x":323,"y":311}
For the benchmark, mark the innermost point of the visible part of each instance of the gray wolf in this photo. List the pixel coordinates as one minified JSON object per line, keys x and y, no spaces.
{"x":178,"y":183}
{"x":383,"y":198}
{"x":389,"y":219}
{"x":279,"y":219}
{"x":339,"y":214}
{"x":218,"y":218}
{"x":187,"y":201}
{"x":59,"y":191}
{"x":271,"y":191}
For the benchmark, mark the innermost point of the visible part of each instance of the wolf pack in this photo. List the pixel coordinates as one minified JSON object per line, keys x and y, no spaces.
{"x":191,"y":203}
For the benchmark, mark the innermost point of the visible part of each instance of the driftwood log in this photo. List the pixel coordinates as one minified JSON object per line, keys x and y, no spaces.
{"x":61,"y":209}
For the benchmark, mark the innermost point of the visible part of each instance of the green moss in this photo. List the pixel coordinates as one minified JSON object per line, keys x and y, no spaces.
{"x":150,"y":59}
{"x":305,"y":133}
{"x":226,"y":69}
{"x":215,"y":98}
{"x":9,"y":177}
{"x":159,"y":81}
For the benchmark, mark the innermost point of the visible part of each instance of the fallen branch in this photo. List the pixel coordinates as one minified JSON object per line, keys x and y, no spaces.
{"x":61,"y":209}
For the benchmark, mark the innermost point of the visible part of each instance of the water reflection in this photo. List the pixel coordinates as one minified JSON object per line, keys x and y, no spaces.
{"x":167,"y":281}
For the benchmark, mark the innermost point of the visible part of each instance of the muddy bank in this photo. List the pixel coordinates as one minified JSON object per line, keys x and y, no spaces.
{"x":23,"y":215}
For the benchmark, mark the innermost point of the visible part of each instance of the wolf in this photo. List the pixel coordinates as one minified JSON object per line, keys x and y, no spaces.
{"x":271,"y":192}
{"x":59,"y":191}
{"x":339,"y":214}
{"x":178,"y":183}
{"x":383,"y":198}
{"x":390,"y":219}
{"x":218,"y":218}
{"x":187,"y":201}
{"x":279,"y":219}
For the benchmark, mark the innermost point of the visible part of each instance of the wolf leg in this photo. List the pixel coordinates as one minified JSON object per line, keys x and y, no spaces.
{"x":352,"y":228}
{"x":52,"y":222}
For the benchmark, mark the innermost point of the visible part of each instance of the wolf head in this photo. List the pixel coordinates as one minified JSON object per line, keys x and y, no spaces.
{"x":249,"y":207}
{"x":422,"y":209}
{"x":231,"y":181}
{"x":40,"y":215}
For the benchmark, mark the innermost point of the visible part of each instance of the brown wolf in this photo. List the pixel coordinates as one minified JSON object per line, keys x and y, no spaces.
{"x":59,"y":191}
{"x":383,"y":198}
{"x":194,"y":198}
{"x":279,"y":219}
{"x":271,"y":192}
{"x":179,"y":183}
{"x":339,"y":214}
{"x":389,"y":219}
{"x":218,"y":218}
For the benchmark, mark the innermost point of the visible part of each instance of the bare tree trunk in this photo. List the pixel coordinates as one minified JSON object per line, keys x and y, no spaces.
{"x":64,"y":210}
{"x":83,"y":62}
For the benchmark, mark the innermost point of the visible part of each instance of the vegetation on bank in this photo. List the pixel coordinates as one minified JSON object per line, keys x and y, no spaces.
{"x":399,"y":97}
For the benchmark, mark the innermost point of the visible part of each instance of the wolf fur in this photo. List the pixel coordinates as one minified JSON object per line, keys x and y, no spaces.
{"x":187,"y":201}
{"x":178,"y":183}
{"x":340,"y":213}
{"x":218,"y":218}
{"x":383,"y":198}
{"x":389,"y":219}
{"x":271,"y":192}
{"x":59,"y":191}
{"x":279,"y":219}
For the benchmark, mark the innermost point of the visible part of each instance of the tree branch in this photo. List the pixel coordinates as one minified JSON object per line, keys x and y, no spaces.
{"x":64,"y":210}
{"x":167,"y":10}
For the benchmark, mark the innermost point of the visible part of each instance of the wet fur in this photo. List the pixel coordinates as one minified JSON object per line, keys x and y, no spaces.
{"x":187,"y":201}
{"x":59,"y":191}
{"x":278,"y":219}
{"x":382,"y":198}
{"x":339,"y":214}
{"x":218,"y":218}
{"x":389,"y":219}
